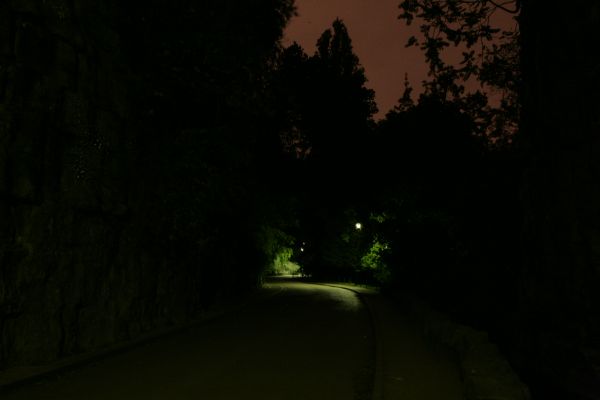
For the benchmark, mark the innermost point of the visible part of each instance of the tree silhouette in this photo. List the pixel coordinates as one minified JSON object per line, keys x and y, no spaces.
{"x":343,"y":107}
{"x":540,"y":190}
{"x":204,"y":139}
{"x":326,"y":119}
{"x":490,"y":57}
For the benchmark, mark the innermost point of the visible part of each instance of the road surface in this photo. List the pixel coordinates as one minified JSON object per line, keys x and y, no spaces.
{"x":305,"y":342}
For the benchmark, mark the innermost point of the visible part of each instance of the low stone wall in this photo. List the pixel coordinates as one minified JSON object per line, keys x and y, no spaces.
{"x":487,"y":375}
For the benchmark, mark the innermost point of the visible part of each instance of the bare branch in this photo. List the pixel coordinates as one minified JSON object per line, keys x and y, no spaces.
{"x":502,"y":6}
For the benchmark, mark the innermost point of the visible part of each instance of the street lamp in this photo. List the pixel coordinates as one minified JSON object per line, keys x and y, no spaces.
{"x":358,"y":226}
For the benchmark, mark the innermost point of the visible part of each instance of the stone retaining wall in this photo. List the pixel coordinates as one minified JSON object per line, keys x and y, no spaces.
{"x":78,"y":268}
{"x":487,"y":375}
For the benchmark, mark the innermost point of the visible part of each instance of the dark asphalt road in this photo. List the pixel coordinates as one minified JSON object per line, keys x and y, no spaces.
{"x":303,"y":342}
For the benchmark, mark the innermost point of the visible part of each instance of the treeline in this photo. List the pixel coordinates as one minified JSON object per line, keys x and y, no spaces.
{"x":487,"y":209}
{"x":204,"y":138}
{"x":435,"y":195}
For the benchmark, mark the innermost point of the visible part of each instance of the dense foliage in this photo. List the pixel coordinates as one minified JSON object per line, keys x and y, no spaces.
{"x":485,"y":82}
{"x":205,"y":142}
{"x":433,"y":194}
{"x":325,"y":112}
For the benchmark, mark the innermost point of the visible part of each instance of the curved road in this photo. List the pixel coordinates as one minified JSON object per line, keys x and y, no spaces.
{"x":302,"y":342}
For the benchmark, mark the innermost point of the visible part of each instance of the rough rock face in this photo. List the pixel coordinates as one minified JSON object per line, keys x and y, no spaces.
{"x":77,"y":269}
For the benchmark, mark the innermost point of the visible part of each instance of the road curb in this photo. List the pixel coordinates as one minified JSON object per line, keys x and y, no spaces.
{"x":377,"y":393}
{"x":486,"y":374}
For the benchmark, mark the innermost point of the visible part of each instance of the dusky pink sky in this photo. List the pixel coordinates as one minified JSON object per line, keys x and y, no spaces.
{"x":378,"y":38}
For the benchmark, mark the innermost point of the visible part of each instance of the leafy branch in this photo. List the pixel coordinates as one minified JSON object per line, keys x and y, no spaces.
{"x":490,"y":56}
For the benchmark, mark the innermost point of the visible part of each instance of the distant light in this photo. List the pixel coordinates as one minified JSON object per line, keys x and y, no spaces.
{"x":358,"y":226}
{"x":301,"y":248}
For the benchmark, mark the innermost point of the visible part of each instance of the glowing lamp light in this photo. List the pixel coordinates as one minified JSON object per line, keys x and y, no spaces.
{"x":302,"y":249}
{"x":358,"y":226}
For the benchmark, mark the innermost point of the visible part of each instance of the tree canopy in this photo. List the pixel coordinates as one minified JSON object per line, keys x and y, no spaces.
{"x":486,"y":81}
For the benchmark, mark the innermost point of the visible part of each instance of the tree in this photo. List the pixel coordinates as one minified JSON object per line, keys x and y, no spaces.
{"x":328,"y":105}
{"x":490,"y":56}
{"x":344,"y":107}
{"x":326,"y":114}
{"x":202,"y":118}
{"x":556,"y":270}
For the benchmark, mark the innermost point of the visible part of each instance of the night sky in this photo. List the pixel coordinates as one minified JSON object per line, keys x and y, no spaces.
{"x":379,"y":39}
